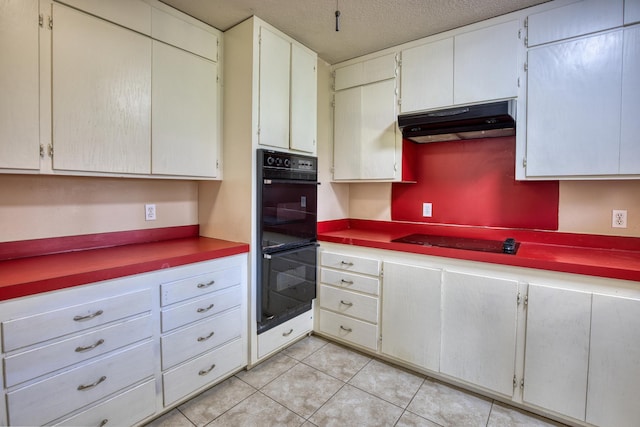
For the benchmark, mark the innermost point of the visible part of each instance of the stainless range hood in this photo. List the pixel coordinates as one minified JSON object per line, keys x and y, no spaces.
{"x":468,"y":122}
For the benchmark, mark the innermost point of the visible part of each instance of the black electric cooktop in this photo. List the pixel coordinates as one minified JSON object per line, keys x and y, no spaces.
{"x":508,"y":246}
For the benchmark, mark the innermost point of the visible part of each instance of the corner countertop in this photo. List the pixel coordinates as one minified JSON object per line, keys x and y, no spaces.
{"x":602,"y":256}
{"x":49,"y":272}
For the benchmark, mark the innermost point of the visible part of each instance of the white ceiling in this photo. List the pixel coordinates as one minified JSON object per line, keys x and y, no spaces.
{"x":365,"y":25}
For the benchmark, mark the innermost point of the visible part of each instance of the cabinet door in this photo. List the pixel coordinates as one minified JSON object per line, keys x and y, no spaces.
{"x":557,"y":350}
{"x":273,"y":109}
{"x":184,"y":113}
{"x":365,"y":132}
{"x":486,"y":64}
{"x":427,"y":76}
{"x":631,"y":11}
{"x":19,"y":103}
{"x":304,"y":95}
{"x":575,"y":19}
{"x":411,"y":314}
{"x":629,"y":143}
{"x":614,"y":367}
{"x":479,"y":316}
{"x":573,"y":107}
{"x":101,"y":95}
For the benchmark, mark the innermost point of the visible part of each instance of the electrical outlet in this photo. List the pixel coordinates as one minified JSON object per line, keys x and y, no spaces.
{"x":619,"y":218}
{"x":150,"y":212}
{"x":427,"y":209}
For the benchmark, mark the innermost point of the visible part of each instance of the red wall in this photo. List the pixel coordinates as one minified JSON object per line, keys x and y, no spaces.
{"x":472,"y":183}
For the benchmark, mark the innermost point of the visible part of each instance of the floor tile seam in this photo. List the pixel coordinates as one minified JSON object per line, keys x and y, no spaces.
{"x":378,"y":397}
{"x":230,"y":408}
{"x":422,"y":416}
{"x":277,"y":376}
{"x":326,"y":373}
{"x":327,"y":401}
{"x":184,"y":415}
{"x":284,"y":406}
{"x":493,"y":402}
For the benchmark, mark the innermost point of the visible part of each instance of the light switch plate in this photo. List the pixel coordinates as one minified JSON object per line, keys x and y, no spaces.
{"x":427,"y":209}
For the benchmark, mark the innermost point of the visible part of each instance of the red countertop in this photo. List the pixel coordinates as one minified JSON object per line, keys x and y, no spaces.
{"x":48,"y":272}
{"x":603,"y":256}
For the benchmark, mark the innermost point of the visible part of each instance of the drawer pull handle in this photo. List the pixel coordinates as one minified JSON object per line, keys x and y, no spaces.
{"x":202,"y":310}
{"x":206,"y":285}
{"x":348,"y":264}
{"x":83,"y":387}
{"x":346,"y":329}
{"x":200,"y":339}
{"x":88,"y":316}
{"x":206,"y":371}
{"x":346,"y":282}
{"x":348,"y":304}
{"x":89,"y":347}
{"x":103,"y":422}
{"x":286,"y":334}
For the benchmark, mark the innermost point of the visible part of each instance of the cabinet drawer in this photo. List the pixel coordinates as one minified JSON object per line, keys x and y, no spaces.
{"x":78,"y":387}
{"x":353,"y":282}
{"x":125,"y":409}
{"x":284,"y":333}
{"x":195,"y":286}
{"x":344,"y":302}
{"x":40,"y":327}
{"x":201,"y":371}
{"x":202,"y":336}
{"x":348,"y":329}
{"x":39,"y":361}
{"x":351,"y":263}
{"x":200,"y":308}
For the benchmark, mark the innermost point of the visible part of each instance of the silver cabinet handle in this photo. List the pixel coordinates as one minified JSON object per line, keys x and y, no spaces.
{"x":346,"y":329}
{"x":206,"y":371}
{"x":286,"y":334}
{"x":206,"y":285}
{"x":348,"y":264}
{"x":346,"y":282}
{"x":103,"y":422}
{"x":89,"y":347}
{"x":90,"y":386}
{"x":202,"y":310}
{"x":348,"y":304}
{"x":200,"y":339}
{"x":88,"y":316}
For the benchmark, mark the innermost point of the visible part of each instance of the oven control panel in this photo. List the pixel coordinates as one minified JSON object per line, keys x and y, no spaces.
{"x":286,"y":161}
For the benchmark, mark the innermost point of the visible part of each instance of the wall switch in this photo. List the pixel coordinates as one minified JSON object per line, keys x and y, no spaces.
{"x":619,"y":218}
{"x":150,"y":212}
{"x":427,"y":209}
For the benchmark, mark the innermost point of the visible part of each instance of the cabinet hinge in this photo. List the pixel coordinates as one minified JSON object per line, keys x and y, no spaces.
{"x":520,"y":33}
{"x":524,"y":162}
{"x":522,"y":384}
{"x":395,"y":167}
{"x":524,"y":300}
{"x":518,"y":81}
{"x":40,"y":20}
{"x":50,"y":150}
{"x":515,"y":382}
{"x":50,"y":23}
{"x":217,"y":164}
{"x":41,"y":151}
{"x":526,"y":66}
{"x":526,"y":41}
{"x":526,"y":22}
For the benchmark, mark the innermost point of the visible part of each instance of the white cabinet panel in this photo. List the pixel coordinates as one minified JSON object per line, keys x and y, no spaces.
{"x":365,"y":72}
{"x":411,"y":314}
{"x":176,"y":32}
{"x":486,"y":63}
{"x":355,"y":264}
{"x":102,"y":95}
{"x":304,"y":94}
{"x":202,"y":284}
{"x":133,"y":14}
{"x":184,"y":113}
{"x":363,"y":307}
{"x":479,"y":316}
{"x":200,"y":308}
{"x":631,"y":11}
{"x":573,"y":107}
{"x":273,"y":110}
{"x":427,"y":76}
{"x":349,"y":329}
{"x":557,"y":349}
{"x":285,"y":333}
{"x":574,"y":19}
{"x":614,"y":362}
{"x":19,"y":80}
{"x":352,"y":282}
{"x":630,"y":132}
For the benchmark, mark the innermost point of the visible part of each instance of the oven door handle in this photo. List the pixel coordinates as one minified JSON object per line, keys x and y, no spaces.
{"x":267,"y":181}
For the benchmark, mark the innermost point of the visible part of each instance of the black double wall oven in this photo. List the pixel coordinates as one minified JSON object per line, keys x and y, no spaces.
{"x":287,"y":236}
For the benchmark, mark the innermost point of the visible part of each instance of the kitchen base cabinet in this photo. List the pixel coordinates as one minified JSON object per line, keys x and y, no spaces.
{"x":411,"y":314}
{"x":284,"y":334}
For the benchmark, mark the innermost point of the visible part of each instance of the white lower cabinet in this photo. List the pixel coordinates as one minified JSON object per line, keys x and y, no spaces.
{"x":112,"y":352}
{"x":284,"y":333}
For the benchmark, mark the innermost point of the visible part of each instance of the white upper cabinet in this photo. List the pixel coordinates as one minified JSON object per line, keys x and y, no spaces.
{"x":486,"y":63}
{"x":287,"y":94}
{"x":631,"y":11}
{"x":132,"y":14}
{"x":179,"y":33}
{"x":477,"y":347}
{"x":19,"y":102}
{"x":557,"y":349}
{"x":102,"y":95}
{"x":184,"y":113}
{"x":426,"y":76}
{"x":571,"y":19}
{"x":630,"y":131}
{"x":365,"y":119}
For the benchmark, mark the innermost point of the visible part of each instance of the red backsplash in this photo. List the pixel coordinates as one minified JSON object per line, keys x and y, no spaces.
{"x":472,"y":183}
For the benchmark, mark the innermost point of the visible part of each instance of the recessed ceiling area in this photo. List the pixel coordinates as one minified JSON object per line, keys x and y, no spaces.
{"x":366,"y":26}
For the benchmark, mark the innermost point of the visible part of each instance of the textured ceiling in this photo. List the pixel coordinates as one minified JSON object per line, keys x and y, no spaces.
{"x":365,"y":25}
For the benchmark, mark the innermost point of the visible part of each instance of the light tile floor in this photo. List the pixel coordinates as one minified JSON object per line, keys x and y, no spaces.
{"x":319,"y":383}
